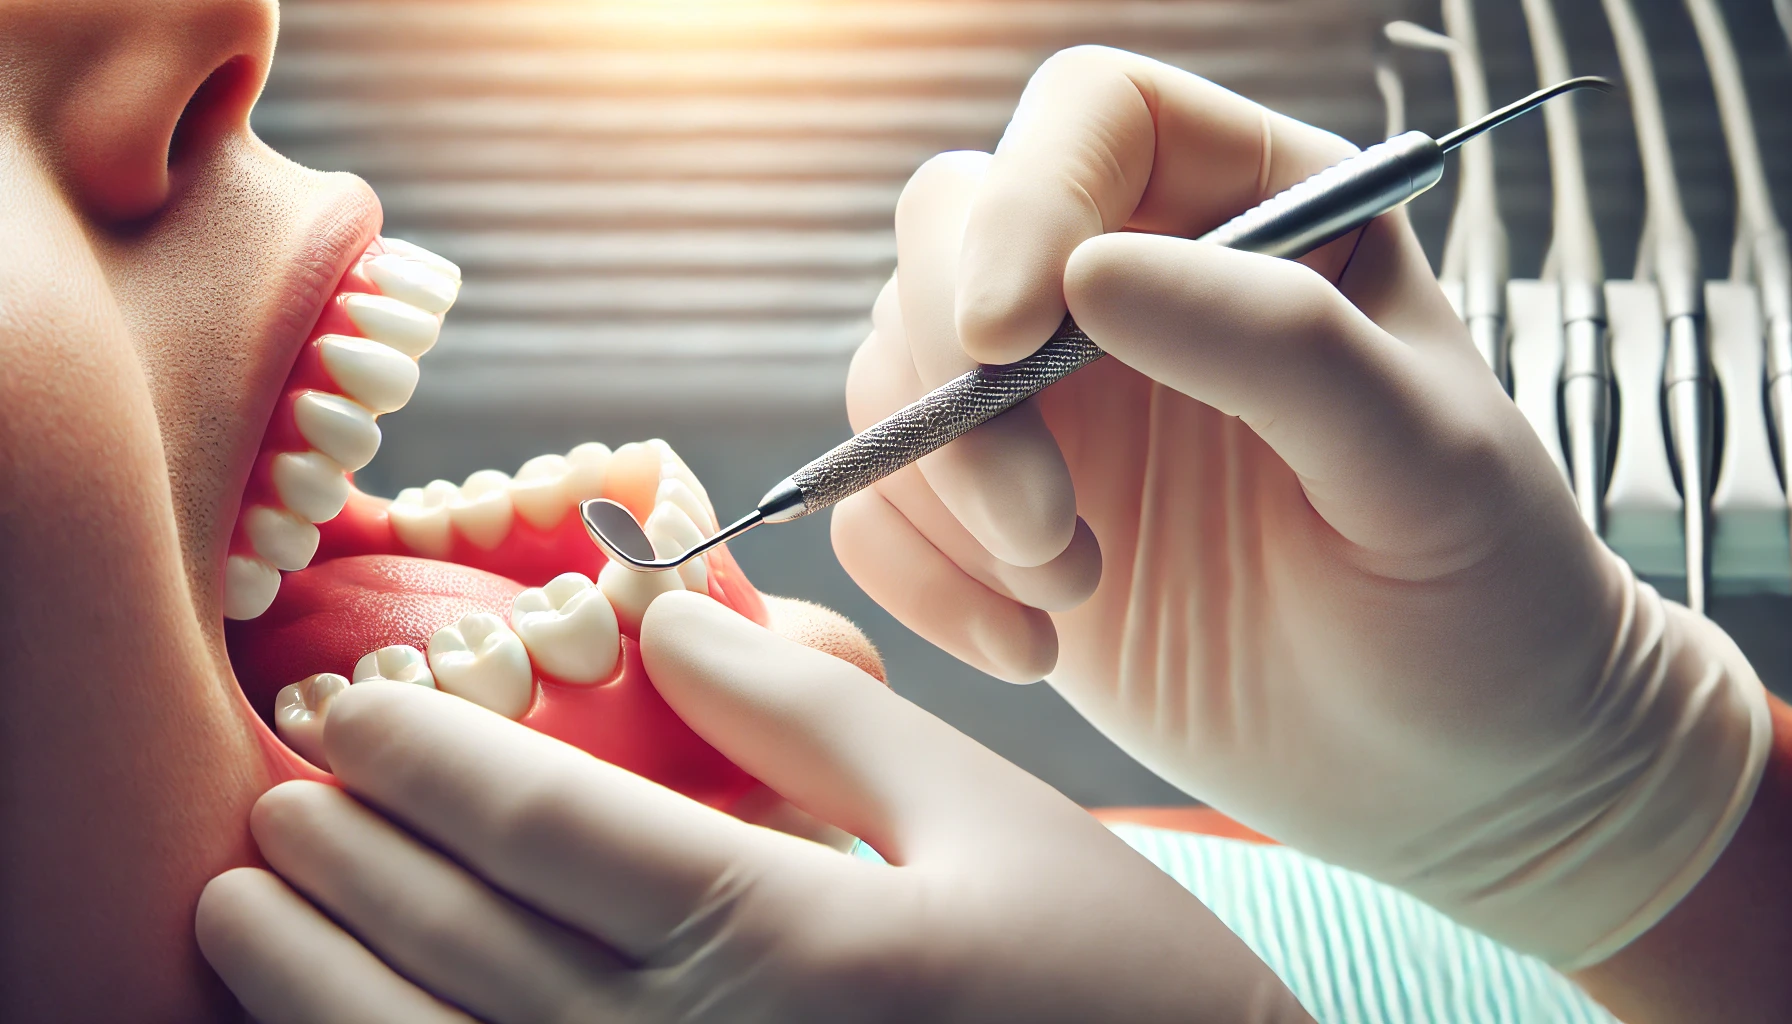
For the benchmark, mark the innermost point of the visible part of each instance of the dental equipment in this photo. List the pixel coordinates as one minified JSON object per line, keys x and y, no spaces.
{"x":1290,"y":224}
{"x":1475,"y":265}
{"x":1392,"y":89}
{"x":1760,"y":250}
{"x":1575,"y":264}
{"x":1669,"y":255}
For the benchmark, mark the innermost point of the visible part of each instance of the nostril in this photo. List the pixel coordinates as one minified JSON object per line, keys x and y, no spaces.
{"x":221,"y":101}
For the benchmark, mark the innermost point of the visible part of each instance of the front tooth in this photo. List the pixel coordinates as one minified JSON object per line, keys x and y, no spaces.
{"x":401,"y":663}
{"x":413,"y":282}
{"x":250,"y":585}
{"x":299,"y":714}
{"x":630,"y":592}
{"x":482,"y":510}
{"x":675,"y":491}
{"x":672,"y":465}
{"x":673,"y":533}
{"x":539,"y":491}
{"x":283,"y":539}
{"x":341,"y":429}
{"x":378,"y":376}
{"x":419,"y":517}
{"x":399,"y":324}
{"x":412,"y":250}
{"x":632,"y":478}
{"x":311,"y":484}
{"x":481,"y":660}
{"x":587,"y":468}
{"x":569,"y":628}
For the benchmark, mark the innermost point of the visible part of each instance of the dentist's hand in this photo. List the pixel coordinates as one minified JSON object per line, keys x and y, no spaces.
{"x":521,"y":880}
{"x":1343,"y":593}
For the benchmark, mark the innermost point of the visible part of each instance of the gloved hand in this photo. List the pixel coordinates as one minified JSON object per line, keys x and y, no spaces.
{"x":1343,"y":593}
{"x":522,"y":880}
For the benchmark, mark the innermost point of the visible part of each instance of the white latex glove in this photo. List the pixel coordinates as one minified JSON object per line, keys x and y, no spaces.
{"x":565,"y":889}
{"x":1344,"y":595}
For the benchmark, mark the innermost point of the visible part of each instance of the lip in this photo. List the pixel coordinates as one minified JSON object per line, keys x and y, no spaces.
{"x":344,"y":221}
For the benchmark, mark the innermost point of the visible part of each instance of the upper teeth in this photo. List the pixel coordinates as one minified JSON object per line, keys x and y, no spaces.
{"x":569,"y":629}
{"x":481,"y":660}
{"x":376,"y":373}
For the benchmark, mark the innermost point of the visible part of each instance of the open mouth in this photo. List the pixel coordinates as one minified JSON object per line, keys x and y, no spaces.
{"x":488,"y":590}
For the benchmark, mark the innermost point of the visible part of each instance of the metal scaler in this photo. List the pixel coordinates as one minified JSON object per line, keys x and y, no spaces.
{"x":1290,"y":224}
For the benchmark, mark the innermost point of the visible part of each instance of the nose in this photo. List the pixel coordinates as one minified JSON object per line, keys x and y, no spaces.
{"x":146,"y":91}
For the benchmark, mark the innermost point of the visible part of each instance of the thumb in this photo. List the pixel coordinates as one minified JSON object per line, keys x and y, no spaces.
{"x":829,"y":738}
{"x":1390,"y":442}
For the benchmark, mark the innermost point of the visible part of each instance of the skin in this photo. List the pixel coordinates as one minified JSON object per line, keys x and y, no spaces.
{"x":162,"y":267}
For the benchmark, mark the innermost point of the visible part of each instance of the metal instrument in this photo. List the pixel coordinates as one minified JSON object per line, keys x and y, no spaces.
{"x":1290,"y":224}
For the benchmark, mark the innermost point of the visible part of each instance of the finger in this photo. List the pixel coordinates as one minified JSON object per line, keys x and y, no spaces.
{"x":1005,"y":481}
{"x":1385,"y":449}
{"x":926,"y":592}
{"x":1104,"y":139}
{"x":545,"y":822}
{"x":288,"y":964}
{"x":425,"y":915}
{"x":831,"y":739}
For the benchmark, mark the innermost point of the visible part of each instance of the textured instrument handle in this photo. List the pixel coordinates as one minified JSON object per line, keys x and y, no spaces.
{"x":940,"y":416}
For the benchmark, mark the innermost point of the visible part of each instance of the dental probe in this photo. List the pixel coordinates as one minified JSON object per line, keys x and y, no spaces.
{"x":1289,"y":224}
{"x":1670,"y":255}
{"x":1575,"y":265}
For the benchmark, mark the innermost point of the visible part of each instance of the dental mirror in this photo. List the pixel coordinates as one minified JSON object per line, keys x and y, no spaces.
{"x":614,"y":529}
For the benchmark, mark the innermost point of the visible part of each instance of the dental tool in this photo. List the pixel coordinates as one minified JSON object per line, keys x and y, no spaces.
{"x":1290,"y":224}
{"x":1391,"y":88}
{"x":1669,"y":255}
{"x":1575,"y":264}
{"x":1475,"y":262}
{"x":1761,"y":251}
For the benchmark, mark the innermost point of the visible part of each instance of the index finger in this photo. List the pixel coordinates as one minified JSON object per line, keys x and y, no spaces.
{"x":1104,"y":140}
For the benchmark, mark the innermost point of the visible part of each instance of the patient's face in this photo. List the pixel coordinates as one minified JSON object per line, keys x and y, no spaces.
{"x":196,"y":339}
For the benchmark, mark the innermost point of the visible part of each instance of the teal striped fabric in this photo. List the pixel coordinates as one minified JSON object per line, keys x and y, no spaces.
{"x":1355,"y":951}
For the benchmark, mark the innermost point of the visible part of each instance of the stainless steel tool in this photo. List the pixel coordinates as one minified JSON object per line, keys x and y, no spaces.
{"x":1290,"y":224}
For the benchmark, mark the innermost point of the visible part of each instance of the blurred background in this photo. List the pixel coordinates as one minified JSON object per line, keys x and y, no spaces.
{"x":673,"y":216}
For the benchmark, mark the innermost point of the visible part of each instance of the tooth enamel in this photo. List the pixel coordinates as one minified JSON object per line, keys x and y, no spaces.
{"x":413,"y":282}
{"x":587,"y":468}
{"x":299,"y":714}
{"x":673,"y":533}
{"x":482,"y":510}
{"x":310,"y":484}
{"x":283,"y":539}
{"x":250,"y":585}
{"x":539,"y":491}
{"x":674,"y":491}
{"x":632,"y":478}
{"x":481,"y":660}
{"x":341,"y":429}
{"x":399,"y":324}
{"x":630,"y":592}
{"x":672,"y":465}
{"x":411,"y":250}
{"x":400,"y":663}
{"x":378,"y":376}
{"x":419,"y":517}
{"x":569,"y":628}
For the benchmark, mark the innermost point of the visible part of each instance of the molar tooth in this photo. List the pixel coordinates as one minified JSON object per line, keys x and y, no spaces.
{"x":281,"y":538}
{"x":378,"y":376}
{"x":250,"y":585}
{"x":310,"y":484}
{"x":632,"y":478}
{"x":587,"y":468}
{"x":539,"y":491}
{"x":400,"y":663}
{"x":630,"y":592}
{"x":299,"y":714}
{"x":399,"y":324}
{"x":569,"y":628}
{"x":413,"y":282}
{"x":482,"y":510}
{"x":341,"y":429}
{"x":411,"y":250}
{"x":419,"y":517}
{"x":673,"y":533}
{"x":481,"y":660}
{"x":674,"y":491}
